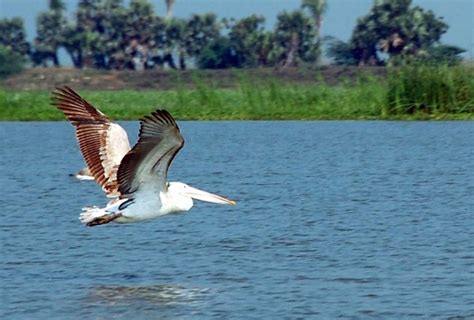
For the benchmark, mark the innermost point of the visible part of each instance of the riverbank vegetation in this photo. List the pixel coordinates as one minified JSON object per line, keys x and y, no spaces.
{"x":431,"y":89}
{"x":411,"y":92}
{"x":207,"y":68}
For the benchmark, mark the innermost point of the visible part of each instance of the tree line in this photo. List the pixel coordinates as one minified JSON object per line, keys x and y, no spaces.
{"x":107,"y":34}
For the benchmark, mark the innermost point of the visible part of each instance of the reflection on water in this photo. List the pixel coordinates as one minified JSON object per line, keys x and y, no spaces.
{"x":161,"y":294}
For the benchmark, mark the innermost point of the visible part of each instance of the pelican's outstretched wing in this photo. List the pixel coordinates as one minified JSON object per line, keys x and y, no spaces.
{"x":103,"y":143}
{"x":146,"y":165}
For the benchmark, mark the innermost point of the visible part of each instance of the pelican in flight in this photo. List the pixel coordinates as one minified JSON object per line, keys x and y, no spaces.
{"x":135,"y":178}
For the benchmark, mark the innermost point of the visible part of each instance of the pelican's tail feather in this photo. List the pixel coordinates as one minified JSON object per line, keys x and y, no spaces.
{"x":92,"y":216}
{"x":90,"y":213}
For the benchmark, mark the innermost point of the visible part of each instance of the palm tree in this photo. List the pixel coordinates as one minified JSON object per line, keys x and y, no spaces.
{"x":317,"y":9}
{"x":169,"y":8}
{"x":294,"y":40}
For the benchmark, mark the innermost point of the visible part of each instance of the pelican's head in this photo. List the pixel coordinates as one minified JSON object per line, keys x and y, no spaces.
{"x":184,"y":190}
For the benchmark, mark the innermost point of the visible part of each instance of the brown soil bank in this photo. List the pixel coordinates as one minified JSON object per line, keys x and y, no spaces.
{"x":48,"y":78}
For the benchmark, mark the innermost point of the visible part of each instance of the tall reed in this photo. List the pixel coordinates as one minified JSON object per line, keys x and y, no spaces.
{"x":431,"y":89}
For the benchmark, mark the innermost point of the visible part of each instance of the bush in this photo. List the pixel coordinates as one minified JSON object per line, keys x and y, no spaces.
{"x":10,"y":63}
{"x":340,"y":52}
{"x":446,"y":54}
{"x":219,"y":54}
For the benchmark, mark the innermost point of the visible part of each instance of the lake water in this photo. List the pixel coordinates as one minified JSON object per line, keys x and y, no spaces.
{"x":355,"y":220}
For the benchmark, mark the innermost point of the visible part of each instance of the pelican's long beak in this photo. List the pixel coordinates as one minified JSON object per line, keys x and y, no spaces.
{"x":207,"y":196}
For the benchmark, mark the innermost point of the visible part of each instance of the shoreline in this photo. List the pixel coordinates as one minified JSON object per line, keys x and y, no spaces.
{"x":327,"y":93}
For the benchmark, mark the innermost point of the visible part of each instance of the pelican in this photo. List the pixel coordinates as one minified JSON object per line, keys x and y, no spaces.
{"x":134,"y":178}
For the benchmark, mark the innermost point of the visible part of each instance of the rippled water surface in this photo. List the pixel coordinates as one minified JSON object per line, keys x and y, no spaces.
{"x":354,"y":220}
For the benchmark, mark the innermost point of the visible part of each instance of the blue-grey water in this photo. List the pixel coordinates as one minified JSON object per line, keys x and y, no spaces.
{"x":351,"y":220}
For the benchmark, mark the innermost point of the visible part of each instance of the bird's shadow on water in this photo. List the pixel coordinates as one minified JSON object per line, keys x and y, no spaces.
{"x":151,"y":295}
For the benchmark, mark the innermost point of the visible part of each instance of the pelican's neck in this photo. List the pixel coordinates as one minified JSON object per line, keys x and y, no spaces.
{"x":174,"y":201}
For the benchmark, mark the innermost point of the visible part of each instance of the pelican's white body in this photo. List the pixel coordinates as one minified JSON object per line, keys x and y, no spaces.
{"x":149,"y":205}
{"x":145,"y":205}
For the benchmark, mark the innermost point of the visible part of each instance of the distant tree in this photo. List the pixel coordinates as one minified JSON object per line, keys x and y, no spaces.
{"x":82,"y":39}
{"x":158,"y":42}
{"x":57,"y":5}
{"x":103,"y":31}
{"x":317,"y":8}
{"x":200,"y":31}
{"x":112,"y":29}
{"x":10,"y":62}
{"x":219,"y":54}
{"x":394,"y":28}
{"x":247,"y":39}
{"x":140,"y":26}
{"x":73,"y":42}
{"x":13,"y":36}
{"x":140,"y":19}
{"x":186,"y":38}
{"x":364,"y":42}
{"x":339,"y":51}
{"x":294,"y":39}
{"x":175,"y":42}
{"x":50,"y":27}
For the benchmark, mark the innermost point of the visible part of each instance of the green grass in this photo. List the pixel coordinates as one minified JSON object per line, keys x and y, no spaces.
{"x":401,"y":97}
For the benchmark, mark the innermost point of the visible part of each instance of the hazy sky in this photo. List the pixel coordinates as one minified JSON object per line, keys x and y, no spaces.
{"x":339,"y":20}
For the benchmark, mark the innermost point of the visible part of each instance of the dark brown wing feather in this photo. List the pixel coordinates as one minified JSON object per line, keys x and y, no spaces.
{"x":92,"y":132}
{"x":76,"y":109}
{"x":148,"y":162}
